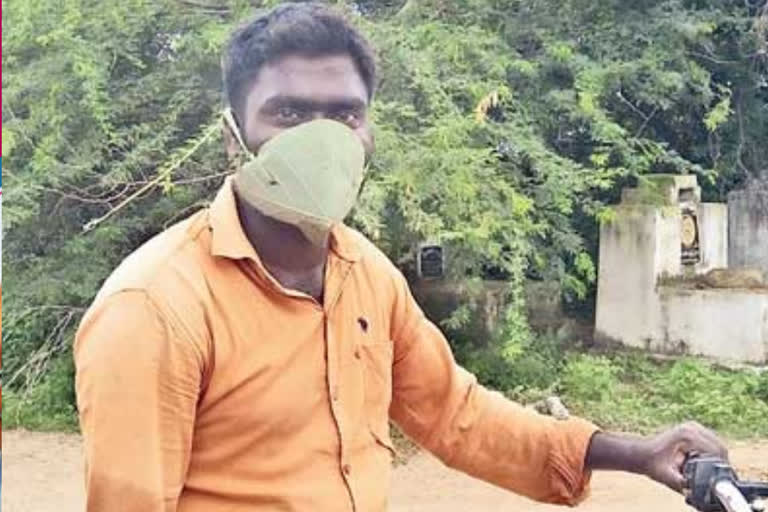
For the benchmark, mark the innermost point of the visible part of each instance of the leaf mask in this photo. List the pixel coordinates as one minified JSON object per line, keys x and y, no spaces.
{"x":308,"y":176}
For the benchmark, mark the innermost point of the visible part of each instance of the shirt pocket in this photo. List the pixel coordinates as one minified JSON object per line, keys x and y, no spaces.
{"x":377,"y":384}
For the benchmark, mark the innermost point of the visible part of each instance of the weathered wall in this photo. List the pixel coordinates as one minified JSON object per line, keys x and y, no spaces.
{"x":727,"y":324}
{"x":713,"y":236}
{"x":668,"y":250}
{"x":748,"y":229}
{"x":439,"y":298}
{"x":627,"y":303}
{"x":641,"y":248}
{"x":543,"y":302}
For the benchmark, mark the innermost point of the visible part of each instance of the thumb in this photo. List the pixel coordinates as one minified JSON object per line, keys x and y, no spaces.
{"x":669,"y":474}
{"x":674,"y":479}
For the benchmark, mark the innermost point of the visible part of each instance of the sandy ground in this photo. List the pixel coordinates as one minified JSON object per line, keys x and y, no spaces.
{"x":44,"y":473}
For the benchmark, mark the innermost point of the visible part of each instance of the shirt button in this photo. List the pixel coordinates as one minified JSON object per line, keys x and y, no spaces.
{"x":347,"y":469}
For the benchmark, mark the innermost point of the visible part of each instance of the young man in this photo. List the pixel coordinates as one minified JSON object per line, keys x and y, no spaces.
{"x":250,"y":357}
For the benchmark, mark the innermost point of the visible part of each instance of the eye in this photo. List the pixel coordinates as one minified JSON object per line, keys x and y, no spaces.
{"x":351,"y":118}
{"x":289,"y":115}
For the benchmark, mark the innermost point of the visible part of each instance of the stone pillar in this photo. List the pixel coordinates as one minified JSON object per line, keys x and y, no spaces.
{"x":713,"y":236}
{"x":748,"y":228}
{"x":630,"y":264}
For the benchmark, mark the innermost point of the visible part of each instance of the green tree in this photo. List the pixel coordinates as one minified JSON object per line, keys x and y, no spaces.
{"x":503,"y":128}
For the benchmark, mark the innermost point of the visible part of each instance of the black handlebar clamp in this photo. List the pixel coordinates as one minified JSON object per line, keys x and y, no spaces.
{"x":703,"y":473}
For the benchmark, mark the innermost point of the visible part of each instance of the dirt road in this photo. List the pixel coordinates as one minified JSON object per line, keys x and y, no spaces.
{"x":44,"y":473}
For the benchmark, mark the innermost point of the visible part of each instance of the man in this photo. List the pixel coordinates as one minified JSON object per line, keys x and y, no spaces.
{"x":250,"y":357}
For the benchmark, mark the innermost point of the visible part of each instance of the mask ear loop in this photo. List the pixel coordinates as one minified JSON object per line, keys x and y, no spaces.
{"x":229,"y":121}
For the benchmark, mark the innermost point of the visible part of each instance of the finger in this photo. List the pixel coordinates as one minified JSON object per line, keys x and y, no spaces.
{"x":721,"y":450}
{"x":680,"y":457}
{"x":701,"y":439}
{"x":711,"y":446}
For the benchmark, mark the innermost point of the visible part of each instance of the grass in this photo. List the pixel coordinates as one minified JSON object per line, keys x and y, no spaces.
{"x":631,"y":390}
{"x":618,"y":391}
{"x":28,"y":411}
{"x":634,"y":392}
{"x":46,"y":406}
{"x":628,"y":392}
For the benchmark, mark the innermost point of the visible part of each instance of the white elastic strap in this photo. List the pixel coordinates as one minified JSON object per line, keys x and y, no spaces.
{"x":229,"y":120}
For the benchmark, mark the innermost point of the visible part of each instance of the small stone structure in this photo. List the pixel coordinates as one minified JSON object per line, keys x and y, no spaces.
{"x":748,"y":228}
{"x":441,"y":298}
{"x":659,"y":258}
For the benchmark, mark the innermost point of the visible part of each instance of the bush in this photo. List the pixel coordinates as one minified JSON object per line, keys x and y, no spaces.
{"x":722,"y":399}
{"x":46,"y":406}
{"x":632,"y":392}
{"x":534,"y":368}
{"x":589,"y":378}
{"x":762,"y":387}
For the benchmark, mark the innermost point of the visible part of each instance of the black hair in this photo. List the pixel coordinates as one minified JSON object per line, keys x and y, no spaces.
{"x":309,"y":29}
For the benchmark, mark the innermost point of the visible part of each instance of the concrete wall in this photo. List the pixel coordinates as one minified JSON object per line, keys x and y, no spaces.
{"x":727,"y":324}
{"x":627,"y":303}
{"x":668,"y":250}
{"x":440,"y":298}
{"x":748,"y":229}
{"x":713,"y":236}
{"x":641,"y":247}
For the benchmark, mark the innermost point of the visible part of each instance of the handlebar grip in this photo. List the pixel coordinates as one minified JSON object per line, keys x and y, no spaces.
{"x":701,"y":474}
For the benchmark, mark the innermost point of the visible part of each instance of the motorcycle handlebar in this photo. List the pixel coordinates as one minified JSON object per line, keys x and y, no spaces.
{"x":713,"y":486}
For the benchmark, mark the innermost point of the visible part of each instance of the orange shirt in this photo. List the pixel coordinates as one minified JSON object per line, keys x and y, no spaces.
{"x":203,"y":385}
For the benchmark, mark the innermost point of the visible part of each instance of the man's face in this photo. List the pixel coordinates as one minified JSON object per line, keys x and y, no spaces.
{"x":294,"y":90}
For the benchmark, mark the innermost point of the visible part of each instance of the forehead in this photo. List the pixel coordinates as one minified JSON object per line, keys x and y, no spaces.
{"x":320,"y":79}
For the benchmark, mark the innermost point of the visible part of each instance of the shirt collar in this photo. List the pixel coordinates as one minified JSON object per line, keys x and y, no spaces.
{"x":229,"y":239}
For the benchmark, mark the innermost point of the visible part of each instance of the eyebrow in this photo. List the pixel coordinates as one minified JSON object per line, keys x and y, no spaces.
{"x":310,"y":105}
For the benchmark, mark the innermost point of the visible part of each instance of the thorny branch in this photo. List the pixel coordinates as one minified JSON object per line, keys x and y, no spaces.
{"x":34,"y":369}
{"x":163,"y":175}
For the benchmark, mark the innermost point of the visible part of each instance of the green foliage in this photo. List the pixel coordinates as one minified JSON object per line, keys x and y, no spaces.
{"x":503,"y":130}
{"x":719,"y":114}
{"x":633,"y":392}
{"x":45,"y":407}
{"x":630,"y":391}
{"x":717,"y":398}
{"x":100,"y":106}
{"x":589,"y":378}
{"x":536,"y":366}
{"x":762,"y":387}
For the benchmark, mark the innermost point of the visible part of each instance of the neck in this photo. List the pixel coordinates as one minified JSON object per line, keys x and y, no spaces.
{"x":279,"y":245}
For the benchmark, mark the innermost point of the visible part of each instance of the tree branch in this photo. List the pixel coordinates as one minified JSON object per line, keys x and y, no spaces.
{"x":645,"y":123}
{"x":408,"y":6}
{"x":34,"y":367}
{"x":161,"y":176}
{"x":646,"y":117}
{"x":23,"y":132}
{"x":714,"y":59}
{"x":740,"y":147}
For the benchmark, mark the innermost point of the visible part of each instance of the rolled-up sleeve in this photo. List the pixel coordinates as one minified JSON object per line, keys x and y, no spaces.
{"x":470,"y":428}
{"x":137,"y":383}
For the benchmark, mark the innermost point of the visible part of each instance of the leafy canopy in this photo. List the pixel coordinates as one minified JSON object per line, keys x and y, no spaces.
{"x":503,"y":128}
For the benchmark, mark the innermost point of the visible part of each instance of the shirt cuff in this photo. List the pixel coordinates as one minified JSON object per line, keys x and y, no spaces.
{"x":570,"y":477}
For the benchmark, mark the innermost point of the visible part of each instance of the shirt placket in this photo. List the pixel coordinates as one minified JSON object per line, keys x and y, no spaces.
{"x":337,"y":273}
